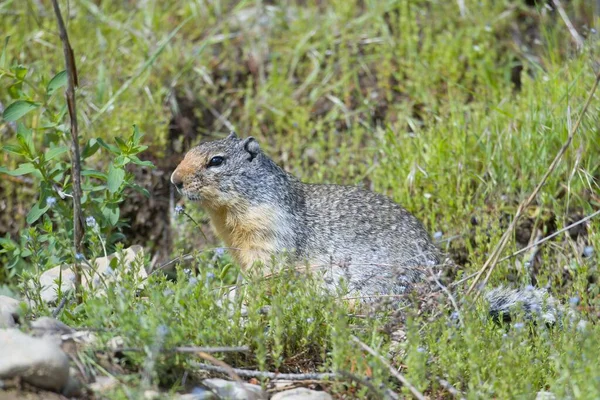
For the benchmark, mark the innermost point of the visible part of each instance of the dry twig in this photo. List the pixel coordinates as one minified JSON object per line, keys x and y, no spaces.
{"x":248,"y":373}
{"x":221,"y":364}
{"x":191,"y":349}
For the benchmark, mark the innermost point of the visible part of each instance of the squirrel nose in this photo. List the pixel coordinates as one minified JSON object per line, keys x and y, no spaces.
{"x":177,"y":180}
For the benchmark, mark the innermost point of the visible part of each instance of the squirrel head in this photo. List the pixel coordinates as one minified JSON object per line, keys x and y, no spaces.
{"x":219,"y":173}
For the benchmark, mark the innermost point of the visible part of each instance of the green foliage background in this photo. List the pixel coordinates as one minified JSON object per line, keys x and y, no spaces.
{"x":455,"y":116}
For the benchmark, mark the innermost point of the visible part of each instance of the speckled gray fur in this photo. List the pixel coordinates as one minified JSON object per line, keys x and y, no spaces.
{"x":374,"y":244}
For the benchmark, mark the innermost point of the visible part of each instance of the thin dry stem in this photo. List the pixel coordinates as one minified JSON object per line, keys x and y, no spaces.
{"x":249,"y":373}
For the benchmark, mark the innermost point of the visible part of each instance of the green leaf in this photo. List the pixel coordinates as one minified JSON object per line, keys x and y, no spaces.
{"x":115,"y":178}
{"x":57,"y":82}
{"x":116,"y":237}
{"x":3,"y":56}
{"x":23,"y":169}
{"x":16,"y":90}
{"x":137,"y":135}
{"x":137,"y":161}
{"x":20,"y":72}
{"x":7,"y":244}
{"x":17,"y":109}
{"x":36,"y":212}
{"x":11,"y":148}
{"x":94,"y":174}
{"x":55,"y":152}
{"x":90,"y":148}
{"x":122,"y":145}
{"x":109,"y":147}
{"x":140,"y":189}
{"x":57,"y":173}
{"x":25,"y":137}
{"x":111,"y":213}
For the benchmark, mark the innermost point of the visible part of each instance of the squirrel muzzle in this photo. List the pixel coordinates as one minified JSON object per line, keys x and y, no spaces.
{"x":177,"y":180}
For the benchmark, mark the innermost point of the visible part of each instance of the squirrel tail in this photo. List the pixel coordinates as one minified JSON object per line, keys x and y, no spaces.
{"x":536,"y":304}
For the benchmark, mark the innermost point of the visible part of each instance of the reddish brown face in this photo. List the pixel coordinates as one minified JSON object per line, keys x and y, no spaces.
{"x":187,"y":176}
{"x":210,"y":173}
{"x":198,"y":177}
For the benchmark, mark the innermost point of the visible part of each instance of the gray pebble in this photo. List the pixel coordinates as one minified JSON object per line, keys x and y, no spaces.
{"x":301,"y":394}
{"x":38,"y":361}
{"x":235,"y":390}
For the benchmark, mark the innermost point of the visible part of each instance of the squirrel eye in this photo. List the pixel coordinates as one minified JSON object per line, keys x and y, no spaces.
{"x":216,"y":161}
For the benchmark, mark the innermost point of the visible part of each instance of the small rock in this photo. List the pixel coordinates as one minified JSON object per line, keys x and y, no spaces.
{"x":198,"y":393}
{"x":190,"y":396}
{"x":73,"y":387}
{"x":235,"y":390}
{"x":9,"y":311}
{"x":49,"y":282}
{"x":302,"y":394}
{"x":83,"y":337}
{"x":96,"y":277}
{"x":151,"y":395}
{"x":37,"y":361}
{"x":543,"y":395}
{"x":7,"y":320}
{"x":44,"y":326}
{"x":116,"y":343}
{"x":104,"y":384}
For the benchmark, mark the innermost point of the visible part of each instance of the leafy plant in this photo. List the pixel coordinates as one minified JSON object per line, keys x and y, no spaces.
{"x":43,"y":159}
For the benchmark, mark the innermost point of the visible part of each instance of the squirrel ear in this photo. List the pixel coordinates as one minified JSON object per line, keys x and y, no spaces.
{"x":232,"y":135}
{"x":251,"y":146}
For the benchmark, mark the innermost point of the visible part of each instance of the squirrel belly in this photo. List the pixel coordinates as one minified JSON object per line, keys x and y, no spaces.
{"x":363,"y":238}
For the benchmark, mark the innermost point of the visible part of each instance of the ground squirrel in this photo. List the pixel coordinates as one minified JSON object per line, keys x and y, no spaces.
{"x":363,"y":238}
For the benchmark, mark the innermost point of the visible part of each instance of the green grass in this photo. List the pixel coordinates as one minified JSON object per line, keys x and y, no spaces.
{"x":457,"y":118}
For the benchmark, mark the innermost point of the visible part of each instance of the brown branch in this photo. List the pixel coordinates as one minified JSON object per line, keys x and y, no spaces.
{"x":72,"y":83}
{"x":248,"y":373}
{"x":191,"y":349}
{"x":221,"y":364}
{"x":491,"y":262}
{"x":320,"y":377}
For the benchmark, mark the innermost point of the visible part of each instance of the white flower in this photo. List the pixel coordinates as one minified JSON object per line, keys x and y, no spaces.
{"x":91,"y":222}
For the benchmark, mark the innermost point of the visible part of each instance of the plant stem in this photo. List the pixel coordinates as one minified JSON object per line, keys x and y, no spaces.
{"x":72,"y":82}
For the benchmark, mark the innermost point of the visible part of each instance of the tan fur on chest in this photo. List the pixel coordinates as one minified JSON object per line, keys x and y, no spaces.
{"x":248,"y":231}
